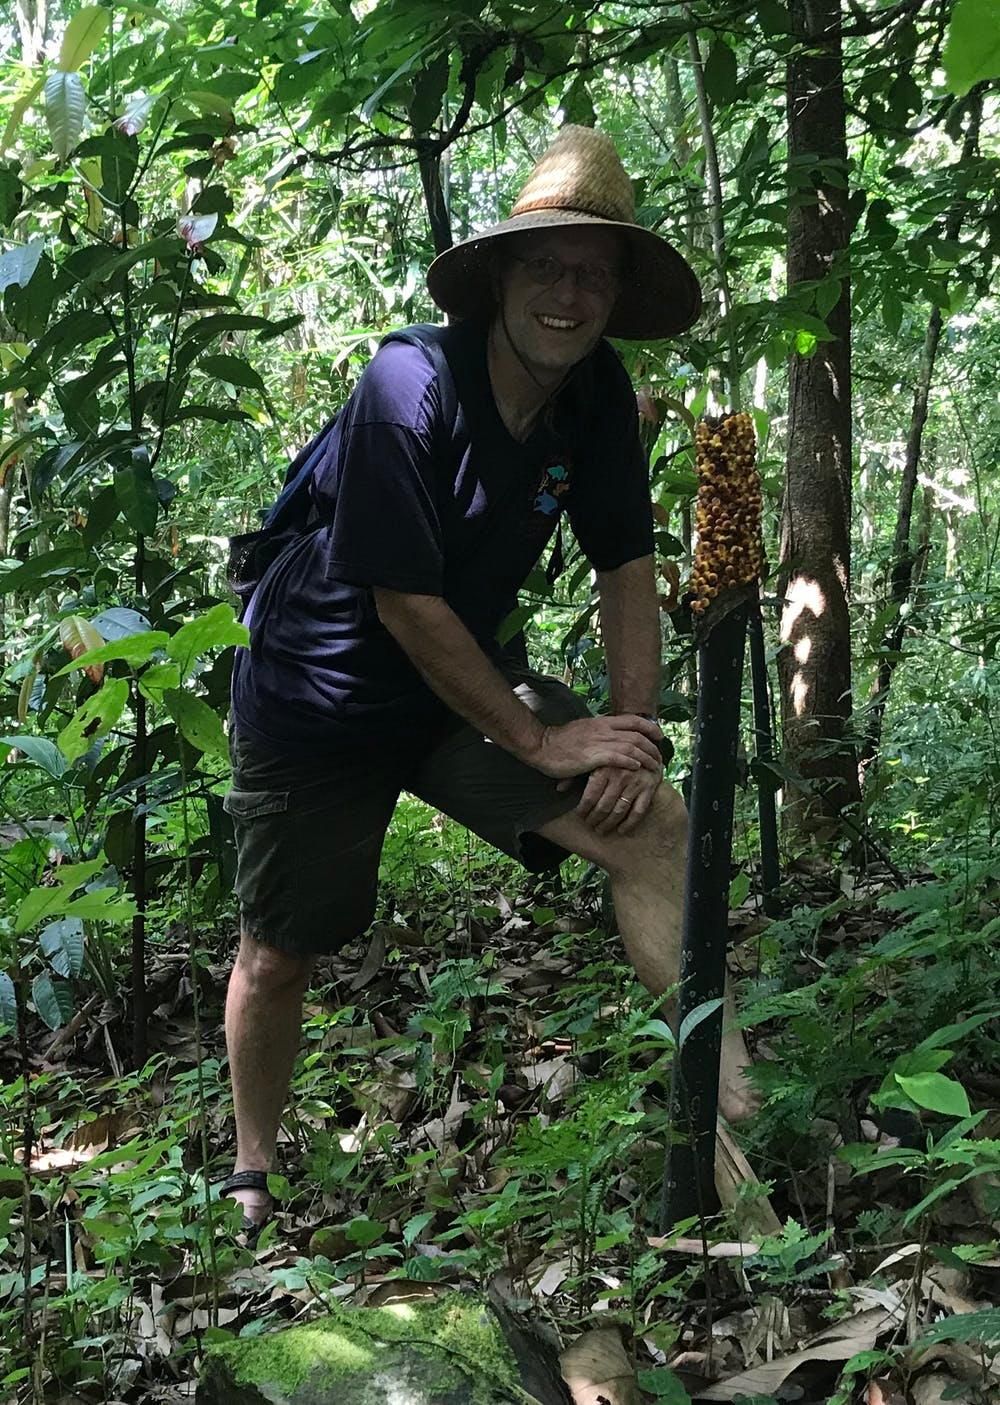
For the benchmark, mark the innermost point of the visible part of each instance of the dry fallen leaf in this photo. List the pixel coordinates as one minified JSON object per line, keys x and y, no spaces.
{"x":933,"y":1390}
{"x":837,"y":1343}
{"x":372,"y":963}
{"x":597,"y":1370}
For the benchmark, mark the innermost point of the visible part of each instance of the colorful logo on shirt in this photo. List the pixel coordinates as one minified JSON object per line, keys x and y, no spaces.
{"x":555,"y":482}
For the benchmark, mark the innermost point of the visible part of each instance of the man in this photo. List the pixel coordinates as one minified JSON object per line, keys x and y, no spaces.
{"x":373,"y":665}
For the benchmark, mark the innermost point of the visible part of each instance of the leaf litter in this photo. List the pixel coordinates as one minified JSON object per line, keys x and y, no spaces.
{"x":422,"y":1075}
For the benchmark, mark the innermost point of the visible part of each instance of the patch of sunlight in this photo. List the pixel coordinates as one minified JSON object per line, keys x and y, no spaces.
{"x":803,"y":594}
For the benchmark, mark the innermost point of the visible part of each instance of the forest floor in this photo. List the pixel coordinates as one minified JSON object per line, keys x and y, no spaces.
{"x":489,"y":1107}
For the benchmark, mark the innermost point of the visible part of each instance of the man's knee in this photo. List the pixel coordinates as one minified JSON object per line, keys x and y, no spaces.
{"x":269,"y":968}
{"x":662,"y":834}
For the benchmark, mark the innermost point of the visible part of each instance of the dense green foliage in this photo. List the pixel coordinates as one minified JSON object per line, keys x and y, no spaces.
{"x":209,"y":214}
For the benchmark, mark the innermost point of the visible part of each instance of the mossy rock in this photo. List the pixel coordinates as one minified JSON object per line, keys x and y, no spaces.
{"x":445,"y":1351}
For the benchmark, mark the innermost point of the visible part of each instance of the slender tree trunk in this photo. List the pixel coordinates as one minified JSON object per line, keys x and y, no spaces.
{"x":904,"y":557}
{"x":814,"y":667}
{"x":32,"y":24}
{"x":435,"y":199}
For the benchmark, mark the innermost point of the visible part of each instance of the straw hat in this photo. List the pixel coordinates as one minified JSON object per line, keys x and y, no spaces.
{"x":579,"y":181}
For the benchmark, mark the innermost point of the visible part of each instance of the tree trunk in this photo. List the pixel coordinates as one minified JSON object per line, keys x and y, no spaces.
{"x":32,"y":24}
{"x":435,"y":198}
{"x":814,"y":568}
{"x":904,"y":557}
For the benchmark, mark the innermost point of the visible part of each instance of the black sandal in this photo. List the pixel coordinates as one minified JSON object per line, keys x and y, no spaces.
{"x":248,"y":1180}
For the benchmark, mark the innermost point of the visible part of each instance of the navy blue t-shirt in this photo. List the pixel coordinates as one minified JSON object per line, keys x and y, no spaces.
{"x":412,"y":503}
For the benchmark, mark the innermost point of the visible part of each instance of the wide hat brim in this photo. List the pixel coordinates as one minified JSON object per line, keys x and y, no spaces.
{"x":660,"y":294}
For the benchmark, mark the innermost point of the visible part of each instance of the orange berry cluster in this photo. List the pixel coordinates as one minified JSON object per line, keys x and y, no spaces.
{"x":729,"y":551}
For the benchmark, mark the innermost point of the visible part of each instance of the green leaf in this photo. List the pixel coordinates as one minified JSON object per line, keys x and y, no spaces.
{"x":94,"y":719}
{"x":951,"y":1033}
{"x":972,"y":49}
{"x":694,"y":1017}
{"x":119,"y":162}
{"x":136,"y":491}
{"x":197,"y":722}
{"x":133,"y":649}
{"x":721,"y":73}
{"x":936,"y":1092}
{"x":53,"y":1000}
{"x":364,"y":1232}
{"x":739,"y":890}
{"x":62,"y":942}
{"x":17,"y":114}
{"x":18,"y":265}
{"x":216,"y":629}
{"x":102,"y":905}
{"x":8,"y":1000}
{"x":982,"y":1326}
{"x":233,"y":370}
{"x":160,"y":679}
{"x":665,"y":1385}
{"x":414,"y":1227}
{"x":41,"y":751}
{"x":65,"y":108}
{"x":83,"y":34}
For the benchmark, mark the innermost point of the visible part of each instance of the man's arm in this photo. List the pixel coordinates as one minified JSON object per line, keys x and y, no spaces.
{"x":630,"y":625}
{"x":455,"y":667}
{"x":615,"y":799}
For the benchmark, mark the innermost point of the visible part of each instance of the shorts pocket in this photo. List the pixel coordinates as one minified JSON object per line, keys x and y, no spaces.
{"x":249,"y":804}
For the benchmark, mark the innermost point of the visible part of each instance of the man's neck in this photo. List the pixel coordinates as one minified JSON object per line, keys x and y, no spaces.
{"x":519,"y":392}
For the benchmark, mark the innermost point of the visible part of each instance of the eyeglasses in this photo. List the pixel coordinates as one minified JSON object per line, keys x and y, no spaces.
{"x":547,"y":270}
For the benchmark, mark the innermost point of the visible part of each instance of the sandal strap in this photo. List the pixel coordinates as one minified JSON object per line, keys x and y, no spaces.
{"x":244,"y":1180}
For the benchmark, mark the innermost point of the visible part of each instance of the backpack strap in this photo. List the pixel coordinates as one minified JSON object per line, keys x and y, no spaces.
{"x":433,"y":339}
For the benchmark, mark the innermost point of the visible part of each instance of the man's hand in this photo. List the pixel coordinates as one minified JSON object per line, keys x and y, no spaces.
{"x":617,"y":801}
{"x":625,"y":742}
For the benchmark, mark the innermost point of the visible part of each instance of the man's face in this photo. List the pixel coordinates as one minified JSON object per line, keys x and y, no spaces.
{"x":555,"y":324}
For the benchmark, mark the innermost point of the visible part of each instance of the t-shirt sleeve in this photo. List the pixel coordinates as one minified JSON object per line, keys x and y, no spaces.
{"x":385,"y":528}
{"x":609,"y":505}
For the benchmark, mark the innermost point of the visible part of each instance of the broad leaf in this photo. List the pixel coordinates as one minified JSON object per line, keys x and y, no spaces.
{"x":8,"y":1000}
{"x":198,"y":723}
{"x":53,"y":1000}
{"x":62,"y":942}
{"x":41,"y":751}
{"x":936,"y":1092}
{"x":233,"y":370}
{"x":132,"y":649}
{"x":665,"y":1385}
{"x":94,"y":719}
{"x":720,"y":73}
{"x":216,"y":629}
{"x":102,"y":905}
{"x":972,"y":50}
{"x":365,"y":1232}
{"x":119,"y":621}
{"x":83,"y":34}
{"x":65,"y":108}
{"x":78,"y":636}
{"x":17,"y":114}
{"x":18,"y":265}
{"x":136,"y":491}
{"x":159,"y":679}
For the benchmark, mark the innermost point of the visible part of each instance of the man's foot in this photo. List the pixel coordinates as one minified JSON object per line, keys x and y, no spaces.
{"x":739,"y":1100}
{"x":249,"y":1190}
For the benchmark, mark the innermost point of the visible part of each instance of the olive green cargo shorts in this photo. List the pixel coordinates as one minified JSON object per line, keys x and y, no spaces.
{"x":309,"y":831}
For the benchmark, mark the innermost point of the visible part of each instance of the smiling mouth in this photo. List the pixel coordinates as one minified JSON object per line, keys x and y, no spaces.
{"x":557,"y":324}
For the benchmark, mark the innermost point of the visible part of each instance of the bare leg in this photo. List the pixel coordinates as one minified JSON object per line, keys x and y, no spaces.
{"x":263,"y":1028}
{"x":646,"y":870}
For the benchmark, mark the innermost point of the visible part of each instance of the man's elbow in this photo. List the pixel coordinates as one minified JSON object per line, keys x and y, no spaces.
{"x":401,"y":612}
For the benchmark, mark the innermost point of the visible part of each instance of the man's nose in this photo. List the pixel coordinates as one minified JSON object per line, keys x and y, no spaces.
{"x":566,"y":287}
